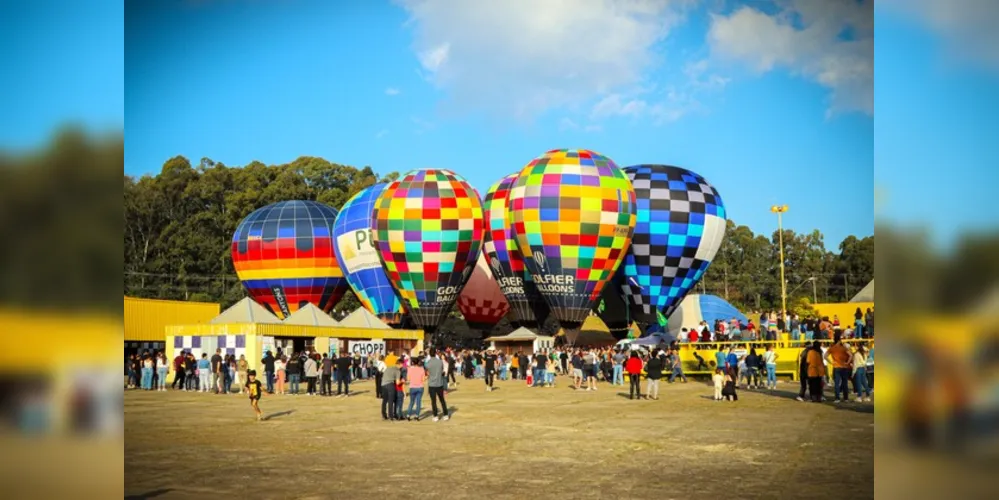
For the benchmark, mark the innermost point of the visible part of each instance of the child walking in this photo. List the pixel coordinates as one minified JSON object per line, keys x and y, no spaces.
{"x":719,"y":380}
{"x":253,"y":387}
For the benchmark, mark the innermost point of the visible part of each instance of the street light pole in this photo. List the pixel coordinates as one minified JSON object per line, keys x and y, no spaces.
{"x":779,"y":210}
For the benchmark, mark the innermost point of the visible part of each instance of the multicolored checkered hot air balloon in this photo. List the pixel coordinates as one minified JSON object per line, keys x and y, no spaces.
{"x":283,"y":253}
{"x":572,"y":212}
{"x":528,"y":306}
{"x":356,"y":253}
{"x":481,"y":302}
{"x":428,"y":233}
{"x":681,"y":224}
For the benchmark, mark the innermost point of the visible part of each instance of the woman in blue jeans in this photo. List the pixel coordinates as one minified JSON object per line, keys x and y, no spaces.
{"x":417,"y":379}
{"x":770,"y":363}
{"x":860,"y":375}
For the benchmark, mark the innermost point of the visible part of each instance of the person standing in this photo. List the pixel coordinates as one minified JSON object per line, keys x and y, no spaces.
{"x":860,"y":375}
{"x":577,"y":369}
{"x":179,"y":371}
{"x":242,"y":368}
{"x":437,"y":382}
{"x":515,"y":365}
{"x":191,"y":369}
{"x":653,"y":372}
{"x":816,"y":370}
{"x":268,"y":362}
{"x":839,"y":355}
{"x":618,"y":369}
{"x":162,"y":366}
{"x":417,"y":379}
{"x":720,"y":357}
{"x":311,"y":374}
{"x":489,"y":360}
{"x":732,"y":363}
{"x":718,"y":379}
{"x":280,"y":371}
{"x":770,"y":365}
{"x":205,"y":372}
{"x":343,"y":368}
{"x":391,"y":377}
{"x":379,"y":373}
{"x":803,"y":371}
{"x":590,"y":370}
{"x":729,"y":391}
{"x":540,"y":363}
{"x":676,"y":366}
{"x":294,"y":370}
{"x":753,"y":368}
{"x":326,"y":388}
{"x":634,"y":368}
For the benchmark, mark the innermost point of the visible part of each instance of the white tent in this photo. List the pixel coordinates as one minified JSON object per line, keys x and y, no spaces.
{"x":246,"y":311}
{"x":866,"y":294}
{"x":310,"y":315}
{"x":362,"y":318}
{"x":522,"y":336}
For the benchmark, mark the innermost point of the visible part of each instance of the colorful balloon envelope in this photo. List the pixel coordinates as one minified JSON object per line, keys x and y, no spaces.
{"x":681,"y":224}
{"x":528,"y":307}
{"x":357,"y":256}
{"x":481,"y":302}
{"x":428,"y":233}
{"x":572,"y":213}
{"x":283,"y":253}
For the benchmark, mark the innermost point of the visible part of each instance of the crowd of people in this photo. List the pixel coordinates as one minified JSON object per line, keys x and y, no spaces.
{"x":771,"y":325}
{"x":400,"y":375}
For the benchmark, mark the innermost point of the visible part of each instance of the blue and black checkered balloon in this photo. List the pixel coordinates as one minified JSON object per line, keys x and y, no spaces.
{"x":680,"y":226}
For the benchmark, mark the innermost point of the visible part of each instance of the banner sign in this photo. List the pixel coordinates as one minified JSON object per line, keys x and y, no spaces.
{"x":366,"y":347}
{"x":357,"y":251}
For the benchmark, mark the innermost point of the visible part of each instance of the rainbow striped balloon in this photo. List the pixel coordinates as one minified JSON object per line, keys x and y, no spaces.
{"x":283,"y":254}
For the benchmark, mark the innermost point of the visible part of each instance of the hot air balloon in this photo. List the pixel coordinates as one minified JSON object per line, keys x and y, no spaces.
{"x":481,"y":302}
{"x":283,"y":253}
{"x":614,"y":311}
{"x":507,"y":262}
{"x":572,"y":213}
{"x":428,"y":233}
{"x":356,"y":254}
{"x":681,"y":224}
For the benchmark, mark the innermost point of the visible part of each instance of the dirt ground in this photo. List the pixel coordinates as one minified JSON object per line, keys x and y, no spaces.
{"x":515,"y":442}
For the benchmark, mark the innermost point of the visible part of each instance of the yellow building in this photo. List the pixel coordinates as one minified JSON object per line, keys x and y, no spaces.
{"x":146,"y":319}
{"x":247,"y":329}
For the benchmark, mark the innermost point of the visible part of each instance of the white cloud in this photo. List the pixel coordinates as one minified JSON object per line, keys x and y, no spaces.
{"x":567,"y":124}
{"x":392,"y":91}
{"x":422,"y":125}
{"x":522,"y":58}
{"x":381,"y":133}
{"x":967,"y":27}
{"x":830,"y":42}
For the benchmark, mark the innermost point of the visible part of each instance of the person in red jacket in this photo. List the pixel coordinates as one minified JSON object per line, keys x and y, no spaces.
{"x":634,"y":368}
{"x":692,"y":336}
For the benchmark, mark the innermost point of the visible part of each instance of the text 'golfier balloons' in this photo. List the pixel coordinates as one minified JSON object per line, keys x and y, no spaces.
{"x":428,"y":233}
{"x":681,"y":224}
{"x":481,"y":302}
{"x":507,"y":262}
{"x":283,"y":253}
{"x":572,"y":212}
{"x":356,"y":253}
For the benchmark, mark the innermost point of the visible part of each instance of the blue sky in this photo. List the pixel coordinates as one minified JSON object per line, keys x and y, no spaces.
{"x":771,"y":102}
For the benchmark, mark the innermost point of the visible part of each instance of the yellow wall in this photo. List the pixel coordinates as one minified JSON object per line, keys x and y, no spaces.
{"x":845,"y":310}
{"x":145,"y":319}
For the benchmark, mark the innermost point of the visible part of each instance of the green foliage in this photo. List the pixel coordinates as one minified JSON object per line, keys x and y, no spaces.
{"x":746,"y":270}
{"x":179,"y":223}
